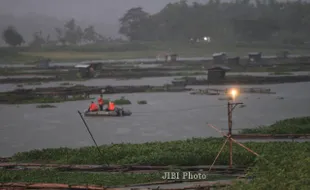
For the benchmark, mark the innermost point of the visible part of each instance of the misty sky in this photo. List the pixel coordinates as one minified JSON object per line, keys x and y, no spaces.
{"x":108,"y":11}
{"x":30,"y":16}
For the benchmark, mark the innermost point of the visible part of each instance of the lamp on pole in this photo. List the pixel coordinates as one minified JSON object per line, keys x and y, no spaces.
{"x":230,"y":107}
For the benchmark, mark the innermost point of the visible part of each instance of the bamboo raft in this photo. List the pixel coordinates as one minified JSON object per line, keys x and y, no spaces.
{"x":107,"y":113}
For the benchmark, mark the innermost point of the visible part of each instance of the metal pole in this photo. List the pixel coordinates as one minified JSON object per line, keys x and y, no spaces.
{"x":91,"y":135}
{"x":229,"y":106}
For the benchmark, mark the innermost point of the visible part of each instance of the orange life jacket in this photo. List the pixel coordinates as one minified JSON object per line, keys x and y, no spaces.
{"x":111,"y":106}
{"x":93,"y":107}
{"x":100,"y":101}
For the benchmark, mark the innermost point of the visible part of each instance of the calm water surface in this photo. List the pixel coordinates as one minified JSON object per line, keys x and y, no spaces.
{"x":154,"y":81}
{"x":167,"y":116}
{"x":117,"y":82}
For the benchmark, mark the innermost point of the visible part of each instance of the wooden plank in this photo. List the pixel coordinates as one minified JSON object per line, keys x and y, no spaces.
{"x":118,"y":168}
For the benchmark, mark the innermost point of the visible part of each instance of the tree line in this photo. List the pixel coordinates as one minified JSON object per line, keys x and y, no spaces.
{"x":71,"y":33}
{"x":264,"y":20}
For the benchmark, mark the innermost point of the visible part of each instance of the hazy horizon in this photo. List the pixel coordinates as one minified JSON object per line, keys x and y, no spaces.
{"x":92,"y":10}
{"x":30,"y":16}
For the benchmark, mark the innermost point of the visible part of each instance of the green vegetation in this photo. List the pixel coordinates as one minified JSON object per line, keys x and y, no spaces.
{"x":82,"y":178}
{"x":197,"y":151}
{"x":281,"y":165}
{"x":96,"y":52}
{"x":13,"y":55}
{"x":237,"y":29}
{"x":183,"y":49}
{"x":7,"y":98}
{"x":283,"y":170}
{"x":142,"y":102}
{"x":121,"y":101}
{"x":45,"y":106}
{"x":299,"y":125}
{"x":180,"y":37}
{"x":76,"y":178}
{"x":12,"y":37}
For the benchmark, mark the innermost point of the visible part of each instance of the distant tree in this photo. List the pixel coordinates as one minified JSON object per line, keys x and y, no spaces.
{"x":70,"y":25}
{"x":73,"y":33}
{"x":242,"y":20}
{"x":79,"y":33}
{"x":48,"y":37}
{"x":132,"y":22}
{"x":12,"y":37}
{"x":60,"y":36}
{"x":38,"y":39}
{"x":90,"y":34}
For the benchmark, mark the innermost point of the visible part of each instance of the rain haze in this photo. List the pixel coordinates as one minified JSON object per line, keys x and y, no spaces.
{"x":156,"y":83}
{"x":30,"y":16}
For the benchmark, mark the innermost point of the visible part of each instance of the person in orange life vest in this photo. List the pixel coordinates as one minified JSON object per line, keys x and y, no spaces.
{"x":93,"y":107}
{"x":100,"y":102}
{"x":111,"y":106}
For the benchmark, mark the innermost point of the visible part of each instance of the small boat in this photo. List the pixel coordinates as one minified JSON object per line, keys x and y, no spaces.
{"x":119,"y":113}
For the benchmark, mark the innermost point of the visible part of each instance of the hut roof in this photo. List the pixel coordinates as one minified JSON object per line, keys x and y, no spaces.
{"x":255,"y":53}
{"x":224,"y":68}
{"x":172,"y":54}
{"x":218,"y":54}
{"x":82,"y":66}
{"x":91,"y":62}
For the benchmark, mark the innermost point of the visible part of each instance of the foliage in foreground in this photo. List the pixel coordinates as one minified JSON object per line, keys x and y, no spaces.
{"x":197,"y":151}
{"x":76,"y":178}
{"x":287,"y":170}
{"x":83,"y":178}
{"x":299,"y":125}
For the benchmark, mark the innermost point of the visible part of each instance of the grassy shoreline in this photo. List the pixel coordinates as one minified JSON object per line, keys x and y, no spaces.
{"x":298,"y":125}
{"x":140,"y":50}
{"x":195,"y":151}
{"x":188,"y":152}
{"x":280,"y":165}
